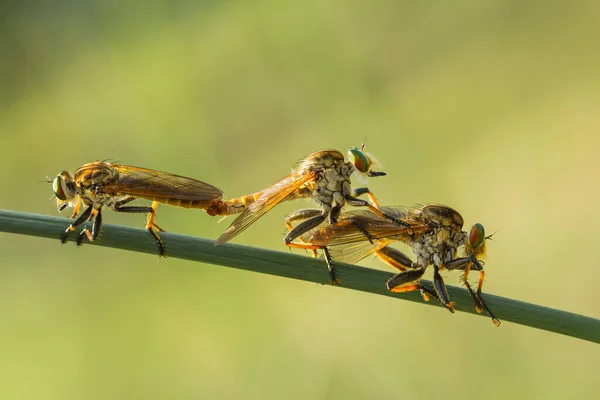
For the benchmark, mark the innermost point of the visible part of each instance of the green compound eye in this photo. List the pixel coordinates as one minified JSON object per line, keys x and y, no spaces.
{"x":477,"y":235}
{"x":57,"y":187}
{"x":359,"y":159}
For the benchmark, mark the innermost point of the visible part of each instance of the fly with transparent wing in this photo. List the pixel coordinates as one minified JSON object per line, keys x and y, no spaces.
{"x":323,"y":176}
{"x":434,"y":232}
{"x":99,"y":184}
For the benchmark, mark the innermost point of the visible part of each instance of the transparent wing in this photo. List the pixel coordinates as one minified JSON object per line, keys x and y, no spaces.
{"x":151,"y":184}
{"x":269,"y":198}
{"x":361,"y":226}
{"x":352,"y":253}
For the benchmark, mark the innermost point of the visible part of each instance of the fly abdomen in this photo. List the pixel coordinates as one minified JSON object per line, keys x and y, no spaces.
{"x":233,"y":206}
{"x":201,"y":204}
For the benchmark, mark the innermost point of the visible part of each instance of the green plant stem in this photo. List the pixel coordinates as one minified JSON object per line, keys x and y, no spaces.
{"x":300,"y":267}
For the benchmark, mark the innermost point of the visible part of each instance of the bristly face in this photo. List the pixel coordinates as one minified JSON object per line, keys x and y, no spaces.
{"x":64,"y":190}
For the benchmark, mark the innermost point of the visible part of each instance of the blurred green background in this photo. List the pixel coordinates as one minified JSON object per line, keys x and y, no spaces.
{"x":489,"y":107}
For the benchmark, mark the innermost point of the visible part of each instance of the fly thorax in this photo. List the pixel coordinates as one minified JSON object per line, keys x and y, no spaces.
{"x":347,"y":170}
{"x":422,"y":261}
{"x":322,"y":195}
{"x":461,"y":238}
{"x":323,"y":159}
{"x":450,"y":254}
{"x":443,"y":235}
{"x":329,"y":182}
{"x":424,"y":250}
{"x":339,"y":198}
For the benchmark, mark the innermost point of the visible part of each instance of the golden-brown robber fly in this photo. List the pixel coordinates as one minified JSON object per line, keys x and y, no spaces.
{"x":323,"y":176}
{"x":100,"y":184}
{"x":434,"y":232}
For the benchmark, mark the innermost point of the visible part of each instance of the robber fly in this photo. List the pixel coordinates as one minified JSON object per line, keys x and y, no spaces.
{"x":323,"y":176}
{"x":100,"y":184}
{"x":434,"y":232}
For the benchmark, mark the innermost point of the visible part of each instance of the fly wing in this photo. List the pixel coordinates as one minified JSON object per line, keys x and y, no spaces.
{"x":362,"y":226}
{"x":151,"y":184}
{"x":269,"y":198}
{"x":352,"y":253}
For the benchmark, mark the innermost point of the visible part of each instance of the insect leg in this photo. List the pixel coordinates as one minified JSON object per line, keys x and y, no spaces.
{"x":468,"y":264}
{"x":82,"y":218}
{"x":440,"y":288}
{"x":408,"y":281}
{"x":151,"y":211}
{"x":124,"y":201}
{"x":482,"y":302}
{"x":96,"y":227}
{"x":295,"y":232}
{"x":394,"y":258}
{"x":333,"y":280}
{"x":376,"y":173}
{"x":302,"y":215}
{"x":76,"y":209}
{"x":361,"y":191}
{"x":465,"y":264}
{"x":353,"y":201}
{"x":304,"y":227}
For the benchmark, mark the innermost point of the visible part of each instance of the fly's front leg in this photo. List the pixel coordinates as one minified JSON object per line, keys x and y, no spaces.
{"x":150,"y":225}
{"x":464,"y":264}
{"x":353,"y":201}
{"x":476,"y":263}
{"x":480,"y":304}
{"x":361,"y":191}
{"x":76,"y":209}
{"x":96,"y":227}
{"x":82,"y":218}
{"x":468,"y":264}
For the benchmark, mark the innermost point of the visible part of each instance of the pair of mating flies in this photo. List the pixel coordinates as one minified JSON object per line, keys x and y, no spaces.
{"x":434,"y":232}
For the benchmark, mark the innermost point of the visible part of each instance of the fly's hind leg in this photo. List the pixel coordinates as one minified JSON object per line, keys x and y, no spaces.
{"x":305,"y":226}
{"x":403,"y":282}
{"x":302,"y":215}
{"x":150,"y":225}
{"x":312,"y":217}
{"x":408,"y":280}
{"x":333,"y":279}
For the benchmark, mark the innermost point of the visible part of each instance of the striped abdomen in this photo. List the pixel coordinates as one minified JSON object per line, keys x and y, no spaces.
{"x":201,"y":204}
{"x":233,"y":206}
